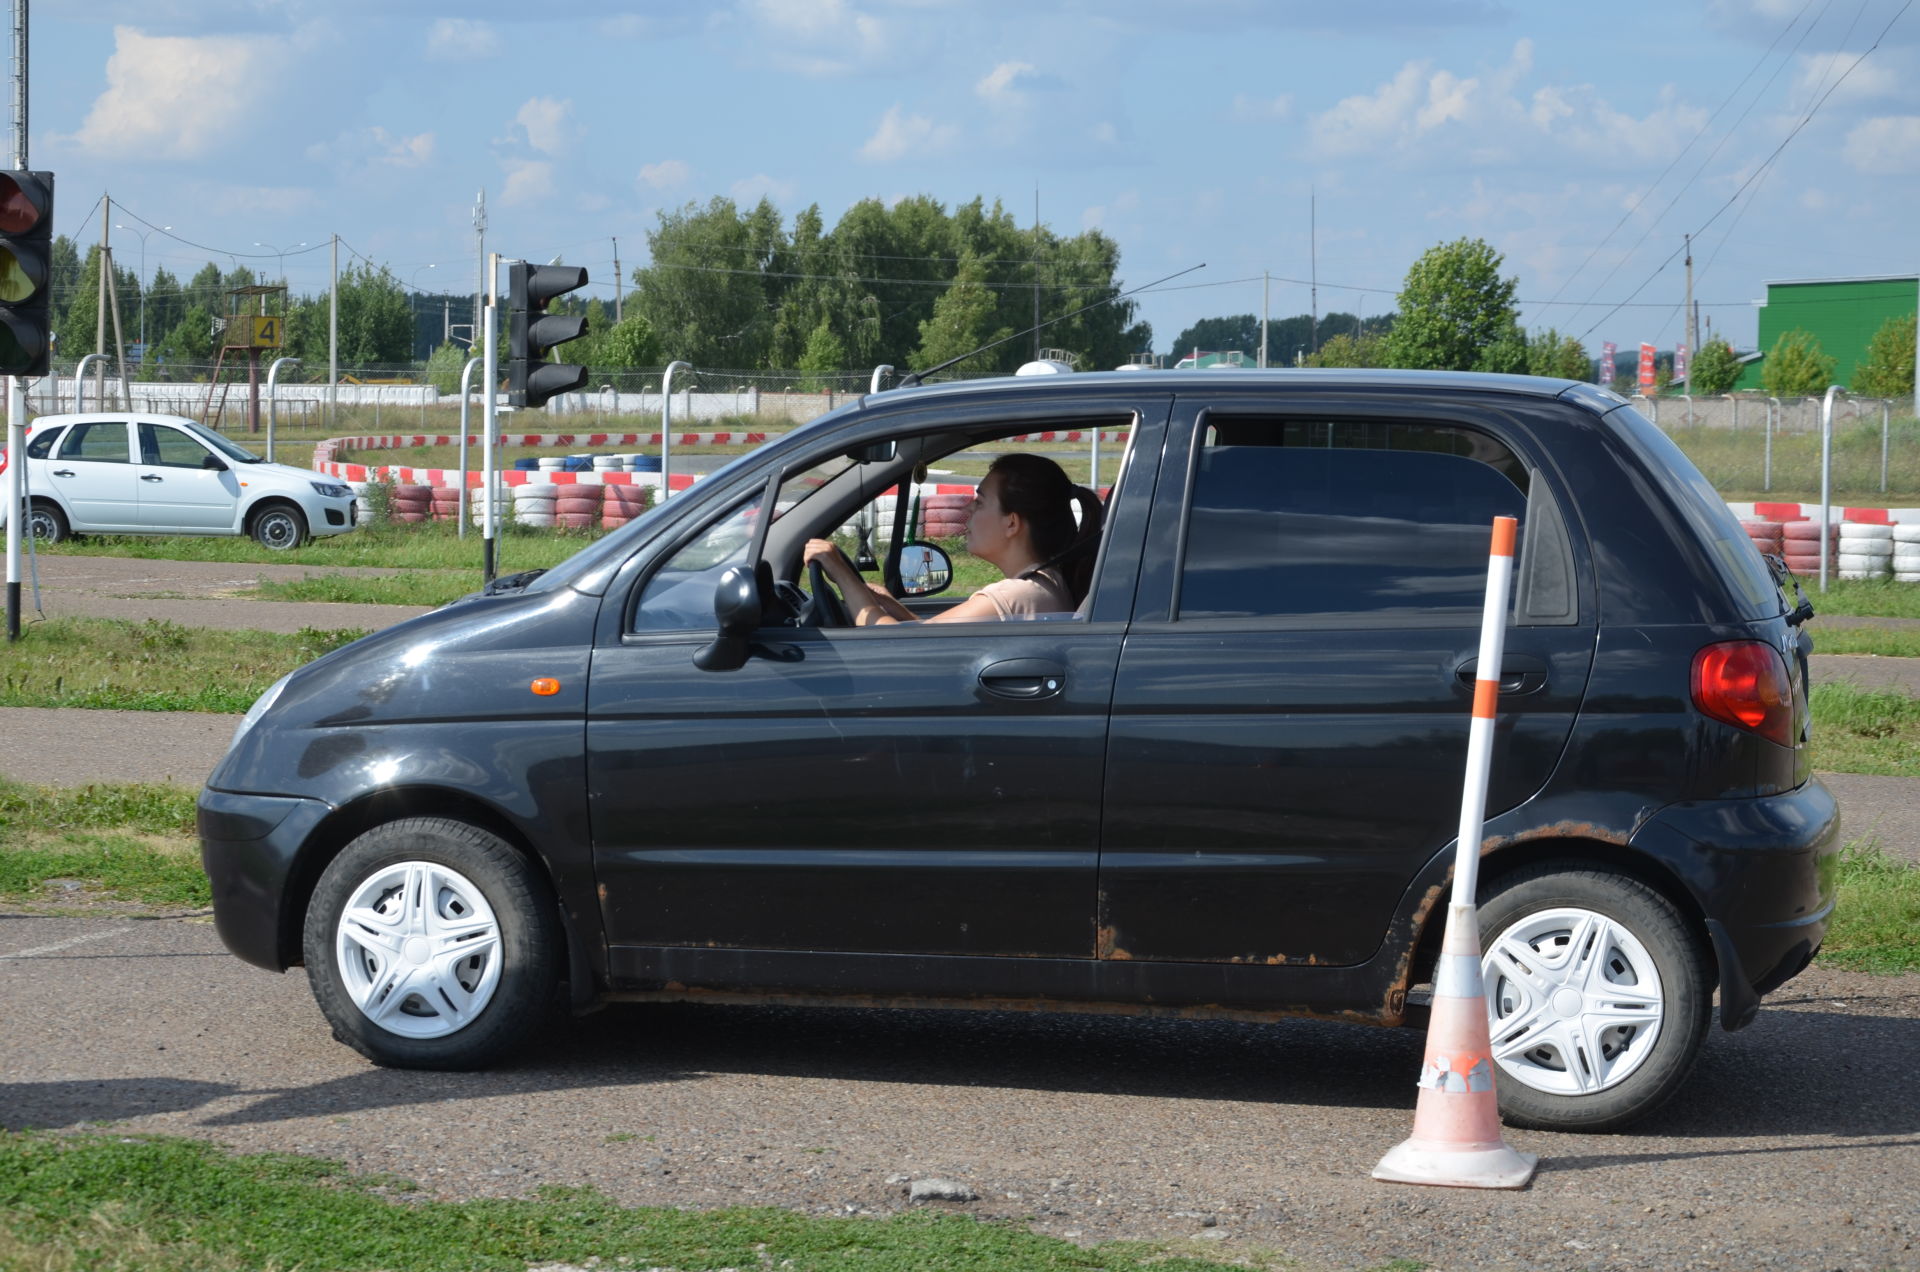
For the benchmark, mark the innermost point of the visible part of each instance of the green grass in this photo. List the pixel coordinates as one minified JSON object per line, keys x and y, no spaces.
{"x":417,"y":587}
{"x":1866,"y":598}
{"x":1865,"y":731}
{"x":125,"y":1203}
{"x":125,"y":843}
{"x":155,"y":665}
{"x":431,"y":545}
{"x":1736,"y":462}
{"x":1876,"y":925}
{"x":1886,"y":642}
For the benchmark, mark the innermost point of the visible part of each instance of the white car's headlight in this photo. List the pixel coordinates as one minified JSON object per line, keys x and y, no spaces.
{"x":260,"y":707}
{"x":331,"y":489}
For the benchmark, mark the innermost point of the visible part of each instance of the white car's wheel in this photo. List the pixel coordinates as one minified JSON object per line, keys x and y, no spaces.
{"x":47,"y":523}
{"x":279,"y":527}
{"x":431,"y":944}
{"x":1598,"y":997}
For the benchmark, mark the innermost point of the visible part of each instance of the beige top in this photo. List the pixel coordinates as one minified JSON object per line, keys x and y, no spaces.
{"x":1042,"y":593}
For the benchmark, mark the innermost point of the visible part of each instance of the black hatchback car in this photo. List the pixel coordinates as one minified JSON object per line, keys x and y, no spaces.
{"x":1225,"y":787}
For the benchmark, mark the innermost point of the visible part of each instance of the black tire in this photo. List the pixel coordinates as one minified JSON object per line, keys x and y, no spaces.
{"x":418,"y":1025}
{"x":279,"y":527}
{"x":47,"y":523}
{"x":1528,"y":922}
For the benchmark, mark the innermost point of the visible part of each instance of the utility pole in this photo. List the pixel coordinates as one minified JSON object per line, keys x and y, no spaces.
{"x":1036,"y":273}
{"x":1688,"y":325}
{"x":1313,"y":270}
{"x":616,"y":281}
{"x":480,"y":291}
{"x":1266,"y":307}
{"x":16,"y":474}
{"x":100,"y":309}
{"x":333,"y":339}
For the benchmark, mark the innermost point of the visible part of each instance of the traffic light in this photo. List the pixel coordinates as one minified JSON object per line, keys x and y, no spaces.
{"x":531,"y":379}
{"x":26,"y":251}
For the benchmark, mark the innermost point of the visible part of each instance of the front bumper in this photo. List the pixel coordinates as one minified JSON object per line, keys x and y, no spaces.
{"x":1765,"y":872}
{"x":249,"y":846}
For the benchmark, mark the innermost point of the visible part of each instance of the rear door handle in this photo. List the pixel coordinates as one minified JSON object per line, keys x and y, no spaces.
{"x":150,"y":477}
{"x":1024,"y":679}
{"x":63,"y":472}
{"x":1519,"y":673}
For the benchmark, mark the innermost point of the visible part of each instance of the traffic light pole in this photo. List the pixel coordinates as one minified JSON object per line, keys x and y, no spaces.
{"x":16,"y":474}
{"x":490,"y":413}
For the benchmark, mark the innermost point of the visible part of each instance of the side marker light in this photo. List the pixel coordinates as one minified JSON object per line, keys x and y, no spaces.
{"x":545,"y":686}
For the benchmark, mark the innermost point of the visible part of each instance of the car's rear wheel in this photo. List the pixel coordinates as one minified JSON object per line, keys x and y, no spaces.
{"x":1599,"y":997}
{"x":279,"y":527}
{"x":432,"y":944}
{"x":47,"y":523}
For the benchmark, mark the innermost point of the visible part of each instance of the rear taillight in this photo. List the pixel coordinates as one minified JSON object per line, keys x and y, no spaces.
{"x":1745,"y":684}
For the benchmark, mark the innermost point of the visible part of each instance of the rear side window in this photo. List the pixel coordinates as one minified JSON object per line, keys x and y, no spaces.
{"x":1357,"y":521}
{"x":42,"y":446}
{"x":102,"y":443}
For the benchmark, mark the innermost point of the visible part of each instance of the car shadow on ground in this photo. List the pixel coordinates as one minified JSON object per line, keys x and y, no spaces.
{"x":48,"y":1106}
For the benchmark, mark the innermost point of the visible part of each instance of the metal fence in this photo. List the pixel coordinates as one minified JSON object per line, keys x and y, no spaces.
{"x":1749,"y":445}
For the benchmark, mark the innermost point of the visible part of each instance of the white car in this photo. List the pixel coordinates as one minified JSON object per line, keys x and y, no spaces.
{"x":115,"y":473}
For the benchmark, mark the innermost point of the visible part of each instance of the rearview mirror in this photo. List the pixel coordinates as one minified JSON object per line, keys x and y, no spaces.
{"x":872,"y":453}
{"x":736,"y":606}
{"x":925,"y":569}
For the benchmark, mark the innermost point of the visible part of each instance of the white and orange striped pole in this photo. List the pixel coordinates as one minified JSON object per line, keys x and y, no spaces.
{"x":1456,"y":1123}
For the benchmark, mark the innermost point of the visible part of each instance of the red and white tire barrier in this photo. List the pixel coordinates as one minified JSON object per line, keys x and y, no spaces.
{"x":1456,"y":1139}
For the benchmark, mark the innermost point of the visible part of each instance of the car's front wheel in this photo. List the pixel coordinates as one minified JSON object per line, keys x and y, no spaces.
{"x":1599,"y":997}
{"x":432,"y":944}
{"x":279,"y":527}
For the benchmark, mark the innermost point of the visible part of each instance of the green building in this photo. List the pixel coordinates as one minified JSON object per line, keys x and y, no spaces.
{"x":1842,"y":313}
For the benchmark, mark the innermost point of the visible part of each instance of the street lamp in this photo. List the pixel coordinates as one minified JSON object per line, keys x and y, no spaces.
{"x":281,"y":252}
{"x":143,"y":278}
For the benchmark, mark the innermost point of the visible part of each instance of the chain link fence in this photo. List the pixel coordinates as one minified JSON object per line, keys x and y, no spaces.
{"x":1751,"y":446}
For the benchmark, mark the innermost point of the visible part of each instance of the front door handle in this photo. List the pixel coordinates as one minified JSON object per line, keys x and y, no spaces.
{"x":1519,"y":673}
{"x":1024,"y":679}
{"x":63,"y":472}
{"x":150,"y":477}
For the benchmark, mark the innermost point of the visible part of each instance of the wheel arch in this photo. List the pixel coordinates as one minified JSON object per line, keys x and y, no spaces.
{"x":266,"y":502}
{"x":353,"y":819}
{"x":1574,"y":853}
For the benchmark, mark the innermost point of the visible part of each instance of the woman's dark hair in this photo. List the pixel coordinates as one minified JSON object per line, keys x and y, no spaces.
{"x":1038,"y":490}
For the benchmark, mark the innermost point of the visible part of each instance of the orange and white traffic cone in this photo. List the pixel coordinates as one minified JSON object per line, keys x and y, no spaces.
{"x":1456,"y":1123}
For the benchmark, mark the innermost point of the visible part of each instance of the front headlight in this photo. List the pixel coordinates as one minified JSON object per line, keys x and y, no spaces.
{"x":331,"y":489}
{"x":260,"y":707}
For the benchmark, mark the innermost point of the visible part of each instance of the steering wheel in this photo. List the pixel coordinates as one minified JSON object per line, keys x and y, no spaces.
{"x":824,"y":608}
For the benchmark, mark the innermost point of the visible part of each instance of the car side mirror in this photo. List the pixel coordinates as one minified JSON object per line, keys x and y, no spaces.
{"x":214,"y":462}
{"x":737,"y":607}
{"x":925,"y":569}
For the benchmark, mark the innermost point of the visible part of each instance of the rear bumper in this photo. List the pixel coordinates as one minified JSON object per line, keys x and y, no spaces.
{"x":1764,"y":872}
{"x":249,"y":845}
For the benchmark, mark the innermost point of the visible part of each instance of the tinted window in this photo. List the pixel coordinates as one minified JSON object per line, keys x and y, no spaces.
{"x":1317,"y":529}
{"x":680,"y":593}
{"x":42,"y":446}
{"x":104,"y":443}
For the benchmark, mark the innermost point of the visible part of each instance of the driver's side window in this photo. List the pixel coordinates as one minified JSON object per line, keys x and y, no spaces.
{"x":679,"y":596}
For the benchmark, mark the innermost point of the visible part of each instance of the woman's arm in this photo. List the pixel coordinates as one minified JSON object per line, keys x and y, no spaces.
{"x":866,"y":607}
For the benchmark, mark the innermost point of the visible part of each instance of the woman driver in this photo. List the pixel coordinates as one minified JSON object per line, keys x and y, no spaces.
{"x":1021,"y":522}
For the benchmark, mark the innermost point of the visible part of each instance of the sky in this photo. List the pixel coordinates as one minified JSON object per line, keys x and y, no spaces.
{"x":1295,"y":139}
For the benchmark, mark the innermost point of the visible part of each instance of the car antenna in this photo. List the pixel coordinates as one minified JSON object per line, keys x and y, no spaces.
{"x":919,"y":377}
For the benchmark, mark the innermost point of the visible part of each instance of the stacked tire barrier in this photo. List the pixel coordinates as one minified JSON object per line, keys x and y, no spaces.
{"x":534,"y":505}
{"x":1865,"y":551}
{"x":410,"y":503}
{"x":578,"y":507}
{"x":622,"y":504}
{"x":943,"y":516}
{"x":1802,"y":547}
{"x":446,"y":503}
{"x":1906,"y":553}
{"x":1768,"y":536}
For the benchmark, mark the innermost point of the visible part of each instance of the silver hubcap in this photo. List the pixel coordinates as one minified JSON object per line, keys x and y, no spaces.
{"x":1573,"y":1001}
{"x":40,"y":525}
{"x":277,"y":529}
{"x":419,"y":949}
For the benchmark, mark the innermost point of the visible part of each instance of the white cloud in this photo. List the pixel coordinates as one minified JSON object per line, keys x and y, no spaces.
{"x":816,"y":37}
{"x":528,"y":181}
{"x":1435,"y":115}
{"x":1886,"y":145}
{"x":1000,"y":84}
{"x":547,"y":124}
{"x":900,"y":136}
{"x":759,"y":185}
{"x":1257,"y":109}
{"x":462,"y":40}
{"x":664,"y":175}
{"x":1873,"y":77}
{"x":162,"y":102}
{"x":374,"y":148}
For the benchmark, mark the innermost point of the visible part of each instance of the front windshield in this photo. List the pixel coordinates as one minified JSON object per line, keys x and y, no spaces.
{"x":231,"y":450}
